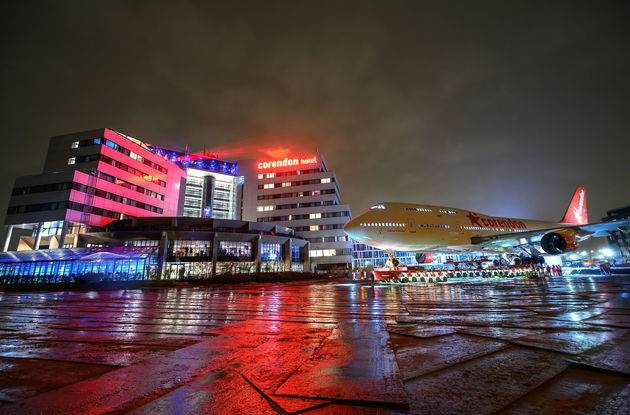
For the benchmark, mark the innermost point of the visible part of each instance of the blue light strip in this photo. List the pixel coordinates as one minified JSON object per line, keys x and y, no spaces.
{"x":196,"y":161}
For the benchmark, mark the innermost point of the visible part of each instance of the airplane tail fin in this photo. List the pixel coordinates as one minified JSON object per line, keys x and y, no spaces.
{"x":576,"y":212}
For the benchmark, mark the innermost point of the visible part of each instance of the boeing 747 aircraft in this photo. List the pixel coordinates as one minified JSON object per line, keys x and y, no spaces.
{"x":424,"y":228}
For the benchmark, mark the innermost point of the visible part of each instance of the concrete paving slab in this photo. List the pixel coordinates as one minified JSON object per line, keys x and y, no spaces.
{"x":23,"y":378}
{"x":500,"y":333}
{"x":129,"y":387}
{"x":355,"y":363}
{"x":484,"y":385}
{"x":417,"y":357}
{"x":338,"y":409}
{"x":611,"y":320}
{"x":420,"y":331}
{"x":576,"y":391}
{"x":217,"y":393}
{"x":573,"y":342}
{"x":95,"y":353}
{"x":612,"y":355}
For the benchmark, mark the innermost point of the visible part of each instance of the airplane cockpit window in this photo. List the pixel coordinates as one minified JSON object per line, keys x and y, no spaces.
{"x":375,"y":207}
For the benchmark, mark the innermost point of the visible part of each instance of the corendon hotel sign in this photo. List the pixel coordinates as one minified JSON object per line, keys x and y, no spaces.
{"x":295,"y":161}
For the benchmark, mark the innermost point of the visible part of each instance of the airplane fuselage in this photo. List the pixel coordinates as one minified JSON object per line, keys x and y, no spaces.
{"x":426,"y":228}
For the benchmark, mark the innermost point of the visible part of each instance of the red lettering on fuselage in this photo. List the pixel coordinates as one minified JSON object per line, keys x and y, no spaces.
{"x":493,"y":222}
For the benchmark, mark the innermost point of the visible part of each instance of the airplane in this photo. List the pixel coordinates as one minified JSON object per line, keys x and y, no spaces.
{"x":424,"y":228}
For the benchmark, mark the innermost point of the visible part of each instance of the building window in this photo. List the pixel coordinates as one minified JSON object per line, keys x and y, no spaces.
{"x":192,"y":248}
{"x":286,"y":184}
{"x":270,"y":175}
{"x":234,"y":251}
{"x":75,"y":144}
{"x":268,"y":186}
{"x":260,"y":176}
{"x":314,"y":215}
{"x":322,"y":252}
{"x":270,"y":252}
{"x":313,"y":228}
{"x":72,"y":160}
{"x":326,"y":180}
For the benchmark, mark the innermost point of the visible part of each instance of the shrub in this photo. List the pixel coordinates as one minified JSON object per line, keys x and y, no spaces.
{"x":422,"y":279}
{"x":443,"y":279}
{"x":450,"y":275}
{"x":430,"y":279}
{"x":414,"y":279}
{"x":405,"y":280}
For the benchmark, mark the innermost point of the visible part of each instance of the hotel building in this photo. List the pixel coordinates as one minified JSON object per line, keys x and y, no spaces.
{"x":89,"y":179}
{"x":299,"y":192}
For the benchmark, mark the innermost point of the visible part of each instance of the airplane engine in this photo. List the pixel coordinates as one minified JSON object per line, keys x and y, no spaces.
{"x":555,"y":243}
{"x":425,"y":258}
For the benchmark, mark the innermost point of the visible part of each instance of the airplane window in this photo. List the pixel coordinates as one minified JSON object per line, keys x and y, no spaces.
{"x":375,"y":207}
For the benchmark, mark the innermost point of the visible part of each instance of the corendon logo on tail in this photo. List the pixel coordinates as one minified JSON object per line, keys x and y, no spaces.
{"x":578,"y":211}
{"x":495,"y":222}
{"x":286,"y":162}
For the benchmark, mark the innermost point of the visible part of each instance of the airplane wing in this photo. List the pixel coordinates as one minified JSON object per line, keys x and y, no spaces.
{"x":516,"y":239}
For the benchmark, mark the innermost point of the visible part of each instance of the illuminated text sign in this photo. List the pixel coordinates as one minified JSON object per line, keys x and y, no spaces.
{"x":295,"y":161}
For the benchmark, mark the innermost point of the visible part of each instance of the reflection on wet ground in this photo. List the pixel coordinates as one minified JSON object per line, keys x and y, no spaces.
{"x":554,"y":345}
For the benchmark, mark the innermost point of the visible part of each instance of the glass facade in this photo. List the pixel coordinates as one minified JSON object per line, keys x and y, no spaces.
{"x":210,"y":195}
{"x":79,"y":264}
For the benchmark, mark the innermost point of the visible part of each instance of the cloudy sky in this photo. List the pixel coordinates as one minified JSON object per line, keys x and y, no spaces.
{"x":500,"y":107}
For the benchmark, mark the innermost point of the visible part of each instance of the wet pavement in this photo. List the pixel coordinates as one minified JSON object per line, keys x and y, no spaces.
{"x":555,"y":345}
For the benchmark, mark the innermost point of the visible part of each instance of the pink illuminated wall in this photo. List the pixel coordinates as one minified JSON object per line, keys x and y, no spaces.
{"x":171,"y":191}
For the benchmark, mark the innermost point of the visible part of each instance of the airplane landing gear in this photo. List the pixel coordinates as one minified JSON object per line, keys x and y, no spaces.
{"x":530,"y":260}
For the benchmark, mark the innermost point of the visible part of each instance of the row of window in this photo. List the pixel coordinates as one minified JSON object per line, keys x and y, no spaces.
{"x":297,"y":194}
{"x":314,"y":253}
{"x":328,"y":239}
{"x":41,"y":188}
{"x":128,"y":185}
{"x":118,"y":147}
{"x":304,"y":216}
{"x":418,"y":209}
{"x":296,"y":183}
{"x":190,"y":248}
{"x":129,"y":169}
{"x":479,"y":228}
{"x":317,"y":227}
{"x":288,"y":173}
{"x":267,"y":208}
{"x":114,"y":197}
{"x":87,"y":142}
{"x":402,"y":225}
{"x":117,"y":164}
{"x":41,"y":207}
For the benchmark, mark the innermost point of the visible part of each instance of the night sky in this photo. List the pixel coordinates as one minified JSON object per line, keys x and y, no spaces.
{"x":499,"y":107}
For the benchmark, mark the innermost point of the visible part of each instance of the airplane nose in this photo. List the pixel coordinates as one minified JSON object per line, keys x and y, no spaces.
{"x":351,"y":227}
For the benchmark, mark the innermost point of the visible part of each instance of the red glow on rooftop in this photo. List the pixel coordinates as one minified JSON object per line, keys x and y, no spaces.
{"x":278,"y":152}
{"x":274,"y":146}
